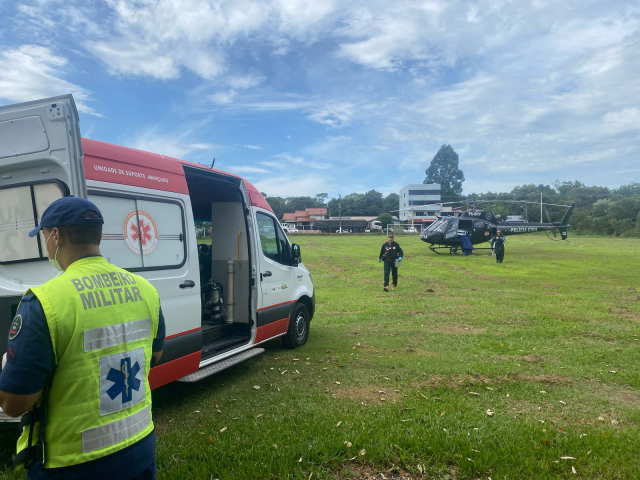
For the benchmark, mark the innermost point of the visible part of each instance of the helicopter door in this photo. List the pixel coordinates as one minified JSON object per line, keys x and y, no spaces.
{"x":452,"y":229}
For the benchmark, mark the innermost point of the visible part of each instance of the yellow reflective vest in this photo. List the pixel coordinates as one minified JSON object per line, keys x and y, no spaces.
{"x":102,"y":321}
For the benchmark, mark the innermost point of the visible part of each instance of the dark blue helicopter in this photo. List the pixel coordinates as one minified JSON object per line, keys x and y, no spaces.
{"x":482,"y":226}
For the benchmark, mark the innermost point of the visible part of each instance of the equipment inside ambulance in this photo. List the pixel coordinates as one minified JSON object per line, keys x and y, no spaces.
{"x":219,"y":299}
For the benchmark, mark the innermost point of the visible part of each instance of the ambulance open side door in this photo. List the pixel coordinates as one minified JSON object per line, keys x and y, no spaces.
{"x":40,"y":161}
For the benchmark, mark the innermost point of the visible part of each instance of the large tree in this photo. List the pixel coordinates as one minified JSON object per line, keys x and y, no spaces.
{"x":444,"y":170}
{"x":391,"y":203}
{"x":322,"y":198}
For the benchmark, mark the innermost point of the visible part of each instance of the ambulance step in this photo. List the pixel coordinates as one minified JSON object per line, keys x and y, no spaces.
{"x":221,"y":365}
{"x":223,"y":344}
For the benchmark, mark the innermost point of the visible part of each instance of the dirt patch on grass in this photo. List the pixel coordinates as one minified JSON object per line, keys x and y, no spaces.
{"x":378,"y":394}
{"x":624,"y":314}
{"x":618,"y":395}
{"x":457,"y":329}
{"x":366,"y":472}
{"x":486,"y":277}
{"x":545,"y":378}
{"x":517,"y":358}
{"x":369,"y":394}
{"x":456,"y":267}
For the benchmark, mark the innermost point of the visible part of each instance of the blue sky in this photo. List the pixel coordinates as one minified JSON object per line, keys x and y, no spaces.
{"x":306,"y":97}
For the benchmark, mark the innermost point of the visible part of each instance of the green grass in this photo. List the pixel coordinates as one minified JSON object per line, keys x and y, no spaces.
{"x":407,"y":377}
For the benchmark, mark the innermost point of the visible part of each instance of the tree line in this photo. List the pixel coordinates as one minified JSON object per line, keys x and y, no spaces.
{"x":370,"y":204}
{"x":599,"y":210}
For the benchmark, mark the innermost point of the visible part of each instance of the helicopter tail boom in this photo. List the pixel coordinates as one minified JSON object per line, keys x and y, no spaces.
{"x":565,"y":219}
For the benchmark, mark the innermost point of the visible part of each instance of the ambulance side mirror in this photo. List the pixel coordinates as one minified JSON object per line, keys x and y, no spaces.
{"x":295,"y":254}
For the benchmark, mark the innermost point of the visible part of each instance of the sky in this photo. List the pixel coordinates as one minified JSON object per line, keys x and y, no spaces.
{"x":303,"y":97}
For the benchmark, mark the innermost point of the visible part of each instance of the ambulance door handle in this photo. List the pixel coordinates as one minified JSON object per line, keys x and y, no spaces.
{"x":266,"y":274}
{"x":187,"y":284}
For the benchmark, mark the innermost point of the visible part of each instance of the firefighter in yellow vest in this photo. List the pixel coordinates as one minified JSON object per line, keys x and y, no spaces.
{"x":78,"y":358}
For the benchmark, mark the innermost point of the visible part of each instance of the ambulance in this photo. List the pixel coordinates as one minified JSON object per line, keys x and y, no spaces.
{"x":220,"y":301}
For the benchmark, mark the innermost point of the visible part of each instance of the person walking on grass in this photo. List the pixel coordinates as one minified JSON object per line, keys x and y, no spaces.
{"x":497,"y":245}
{"x":389,"y":253}
{"x":79,"y":353}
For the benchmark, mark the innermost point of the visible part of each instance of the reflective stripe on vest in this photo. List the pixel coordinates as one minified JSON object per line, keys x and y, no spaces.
{"x":115,"y":432}
{"x":102,"y":321}
{"x":103,"y":337}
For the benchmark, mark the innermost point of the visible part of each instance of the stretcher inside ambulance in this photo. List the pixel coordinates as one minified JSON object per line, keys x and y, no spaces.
{"x":219,"y":299}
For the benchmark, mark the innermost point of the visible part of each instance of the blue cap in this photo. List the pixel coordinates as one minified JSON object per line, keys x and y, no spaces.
{"x":67,"y":211}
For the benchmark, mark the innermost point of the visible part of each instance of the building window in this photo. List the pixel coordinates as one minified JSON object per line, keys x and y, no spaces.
{"x":424,"y":192}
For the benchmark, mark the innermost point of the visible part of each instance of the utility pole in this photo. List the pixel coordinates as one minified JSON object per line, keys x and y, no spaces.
{"x":540,"y":207}
{"x":340,"y":212}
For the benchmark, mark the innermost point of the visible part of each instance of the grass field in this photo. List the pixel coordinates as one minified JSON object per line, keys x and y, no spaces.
{"x":525,"y":370}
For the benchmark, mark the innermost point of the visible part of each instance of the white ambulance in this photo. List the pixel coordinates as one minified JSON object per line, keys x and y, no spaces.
{"x":220,"y":301}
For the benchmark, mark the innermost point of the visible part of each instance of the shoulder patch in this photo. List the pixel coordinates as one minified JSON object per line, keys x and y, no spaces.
{"x":15,"y":328}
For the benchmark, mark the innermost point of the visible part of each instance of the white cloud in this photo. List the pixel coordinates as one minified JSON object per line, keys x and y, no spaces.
{"x":293,"y":186}
{"x":223,"y":97}
{"x":171,"y":144}
{"x":622,"y":121}
{"x":194,"y":34}
{"x":122,"y":57}
{"x":515,"y":87}
{"x":31,"y":72}
{"x":253,"y":147}
{"x":293,"y":160}
{"x":274,"y":164}
{"x":244,"y":82}
{"x":334,"y":115}
{"x":248,"y":169}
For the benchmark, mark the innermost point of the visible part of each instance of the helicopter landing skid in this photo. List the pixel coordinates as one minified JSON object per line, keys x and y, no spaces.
{"x":453,"y":250}
{"x":434,"y":249}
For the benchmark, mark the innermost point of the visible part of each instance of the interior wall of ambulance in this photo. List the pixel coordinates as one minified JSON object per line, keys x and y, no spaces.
{"x":227,"y":218}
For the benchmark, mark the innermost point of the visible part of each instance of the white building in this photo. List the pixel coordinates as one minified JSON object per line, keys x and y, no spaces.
{"x":417,"y":203}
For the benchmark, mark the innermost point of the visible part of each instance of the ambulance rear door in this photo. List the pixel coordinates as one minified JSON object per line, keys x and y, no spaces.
{"x":40,"y":161}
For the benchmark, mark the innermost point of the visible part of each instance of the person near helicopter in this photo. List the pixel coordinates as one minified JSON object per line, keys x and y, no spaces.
{"x":497,"y":246}
{"x":390,"y":252}
{"x":465,"y":243}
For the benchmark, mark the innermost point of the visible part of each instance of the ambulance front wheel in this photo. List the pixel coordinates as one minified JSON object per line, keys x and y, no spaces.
{"x":298,"y":328}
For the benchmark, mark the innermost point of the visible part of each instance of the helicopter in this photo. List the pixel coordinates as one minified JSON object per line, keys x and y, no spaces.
{"x":482,"y":225}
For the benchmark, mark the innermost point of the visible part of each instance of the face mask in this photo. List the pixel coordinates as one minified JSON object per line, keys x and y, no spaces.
{"x":54,"y":261}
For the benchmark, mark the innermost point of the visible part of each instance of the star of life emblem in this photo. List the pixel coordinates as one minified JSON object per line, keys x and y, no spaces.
{"x":121,"y":381}
{"x":140,"y":231}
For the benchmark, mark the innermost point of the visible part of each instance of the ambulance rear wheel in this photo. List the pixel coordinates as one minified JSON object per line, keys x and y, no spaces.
{"x":298,"y":328}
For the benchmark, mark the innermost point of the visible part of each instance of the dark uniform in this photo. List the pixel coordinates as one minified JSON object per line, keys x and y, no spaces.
{"x":389,"y":253}
{"x":497,"y":244}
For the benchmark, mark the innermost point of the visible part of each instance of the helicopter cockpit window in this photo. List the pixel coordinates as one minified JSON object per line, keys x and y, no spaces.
{"x":435,"y":225}
{"x":478,"y":225}
{"x":452,"y":230}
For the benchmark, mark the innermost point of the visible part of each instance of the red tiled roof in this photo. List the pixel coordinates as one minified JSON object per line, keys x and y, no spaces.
{"x":303,"y":219}
{"x":289,"y":216}
{"x":301,"y":213}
